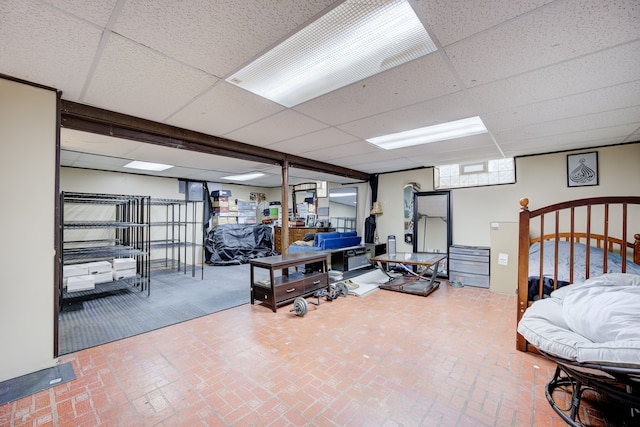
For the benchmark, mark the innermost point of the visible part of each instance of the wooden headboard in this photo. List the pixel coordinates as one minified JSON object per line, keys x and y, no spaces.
{"x":572,"y":216}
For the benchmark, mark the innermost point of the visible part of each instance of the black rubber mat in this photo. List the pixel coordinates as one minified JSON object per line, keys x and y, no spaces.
{"x":175,"y":297}
{"x":34,"y":382}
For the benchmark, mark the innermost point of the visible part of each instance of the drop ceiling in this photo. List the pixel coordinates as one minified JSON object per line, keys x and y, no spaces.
{"x":543,"y":76}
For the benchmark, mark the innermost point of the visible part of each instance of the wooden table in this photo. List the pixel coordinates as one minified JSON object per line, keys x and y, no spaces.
{"x":411,"y":282}
{"x":286,"y":287}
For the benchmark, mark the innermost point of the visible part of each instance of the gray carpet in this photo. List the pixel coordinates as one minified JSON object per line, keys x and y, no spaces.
{"x":175,"y":297}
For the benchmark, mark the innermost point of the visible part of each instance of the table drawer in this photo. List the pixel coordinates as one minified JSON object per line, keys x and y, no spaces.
{"x":289,"y":290}
{"x":319,"y":281}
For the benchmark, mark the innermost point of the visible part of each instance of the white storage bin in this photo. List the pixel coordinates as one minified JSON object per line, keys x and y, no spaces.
{"x":124,"y":263}
{"x":80,"y":283}
{"x":123,"y":274}
{"x":103,"y":277}
{"x":74,"y":270}
{"x":99,"y":267}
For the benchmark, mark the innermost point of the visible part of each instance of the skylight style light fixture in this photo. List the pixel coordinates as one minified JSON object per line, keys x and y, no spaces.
{"x":156,"y":167}
{"x":441,"y":132}
{"x":353,"y":41}
{"x":243,"y":177}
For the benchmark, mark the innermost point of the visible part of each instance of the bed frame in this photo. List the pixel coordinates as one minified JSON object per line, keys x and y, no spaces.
{"x":626,"y":250}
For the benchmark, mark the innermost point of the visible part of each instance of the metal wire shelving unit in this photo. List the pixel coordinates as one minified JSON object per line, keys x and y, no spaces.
{"x":177,"y":236}
{"x":101,"y":227}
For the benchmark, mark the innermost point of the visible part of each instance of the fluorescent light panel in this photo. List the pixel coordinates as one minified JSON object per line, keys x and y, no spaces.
{"x":441,"y":132}
{"x":243,"y":177}
{"x":353,"y":41}
{"x":157,"y":167}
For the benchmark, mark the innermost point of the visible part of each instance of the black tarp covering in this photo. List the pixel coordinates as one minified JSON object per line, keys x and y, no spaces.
{"x":237,"y":243}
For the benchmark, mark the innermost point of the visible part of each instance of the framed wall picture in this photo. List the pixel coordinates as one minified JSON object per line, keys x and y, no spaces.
{"x":582,"y":169}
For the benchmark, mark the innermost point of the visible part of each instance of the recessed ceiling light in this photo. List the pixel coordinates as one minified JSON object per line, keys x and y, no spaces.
{"x":243,"y":177}
{"x":441,"y":132}
{"x":353,"y":41}
{"x":157,"y":167}
{"x":344,"y":194}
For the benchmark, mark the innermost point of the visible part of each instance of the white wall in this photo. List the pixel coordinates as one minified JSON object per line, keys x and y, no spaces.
{"x":28,"y":138}
{"x":541,"y":179}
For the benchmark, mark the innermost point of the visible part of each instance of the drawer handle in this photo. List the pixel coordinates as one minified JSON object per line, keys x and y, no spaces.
{"x":317,"y":282}
{"x":290,"y":290}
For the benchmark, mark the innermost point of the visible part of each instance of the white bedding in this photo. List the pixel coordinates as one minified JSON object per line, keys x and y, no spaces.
{"x":597,"y":321}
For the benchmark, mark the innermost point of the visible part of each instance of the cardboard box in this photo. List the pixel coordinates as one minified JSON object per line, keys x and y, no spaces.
{"x":247,"y":204}
{"x":124,"y":263}
{"x":220,"y":204}
{"x":80,"y":283}
{"x":221,"y":209}
{"x":218,"y":220}
{"x":215,"y":214}
{"x":74,"y":270}
{"x":246,"y":220}
{"x":99,"y":267}
{"x":123,"y":274}
{"x":221,"y":193}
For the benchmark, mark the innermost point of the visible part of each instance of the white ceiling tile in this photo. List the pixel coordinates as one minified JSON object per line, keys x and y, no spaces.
{"x":68,"y":157}
{"x":609,"y":98}
{"x":222,"y":109}
{"x":368,"y":157}
{"x":92,"y":143}
{"x":382,"y":166}
{"x":330,"y":154}
{"x":563,"y":30}
{"x":314,"y":141}
{"x":607,"y":68}
{"x":470,"y":147}
{"x":214,"y":36}
{"x":279,"y":127}
{"x":91,"y":161}
{"x":416,"y":81}
{"x":455,"y":20}
{"x":568,"y":141}
{"x":40,"y":44}
{"x":587,"y":122}
{"x":209,"y":162}
{"x":122,"y":81}
{"x":446,"y":108}
{"x":97,"y":12}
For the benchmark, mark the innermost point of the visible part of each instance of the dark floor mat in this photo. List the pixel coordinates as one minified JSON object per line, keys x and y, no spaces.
{"x":34,"y":382}
{"x":175,"y":297}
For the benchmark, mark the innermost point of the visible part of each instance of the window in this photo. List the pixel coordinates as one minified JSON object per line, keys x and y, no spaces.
{"x":491,"y":172}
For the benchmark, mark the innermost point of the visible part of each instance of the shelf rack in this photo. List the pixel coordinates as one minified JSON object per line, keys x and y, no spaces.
{"x":118,"y":227}
{"x":174,"y":235}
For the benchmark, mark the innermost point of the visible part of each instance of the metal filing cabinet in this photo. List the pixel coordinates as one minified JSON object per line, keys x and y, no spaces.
{"x":469,"y":265}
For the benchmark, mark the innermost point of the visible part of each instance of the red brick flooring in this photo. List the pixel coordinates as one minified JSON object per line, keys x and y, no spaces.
{"x":387,"y":359}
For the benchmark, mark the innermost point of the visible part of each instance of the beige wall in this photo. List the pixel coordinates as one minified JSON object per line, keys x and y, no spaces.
{"x":28,"y":137}
{"x":542,"y":179}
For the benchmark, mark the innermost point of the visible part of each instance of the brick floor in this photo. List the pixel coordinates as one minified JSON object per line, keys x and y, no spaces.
{"x":388,"y":359}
